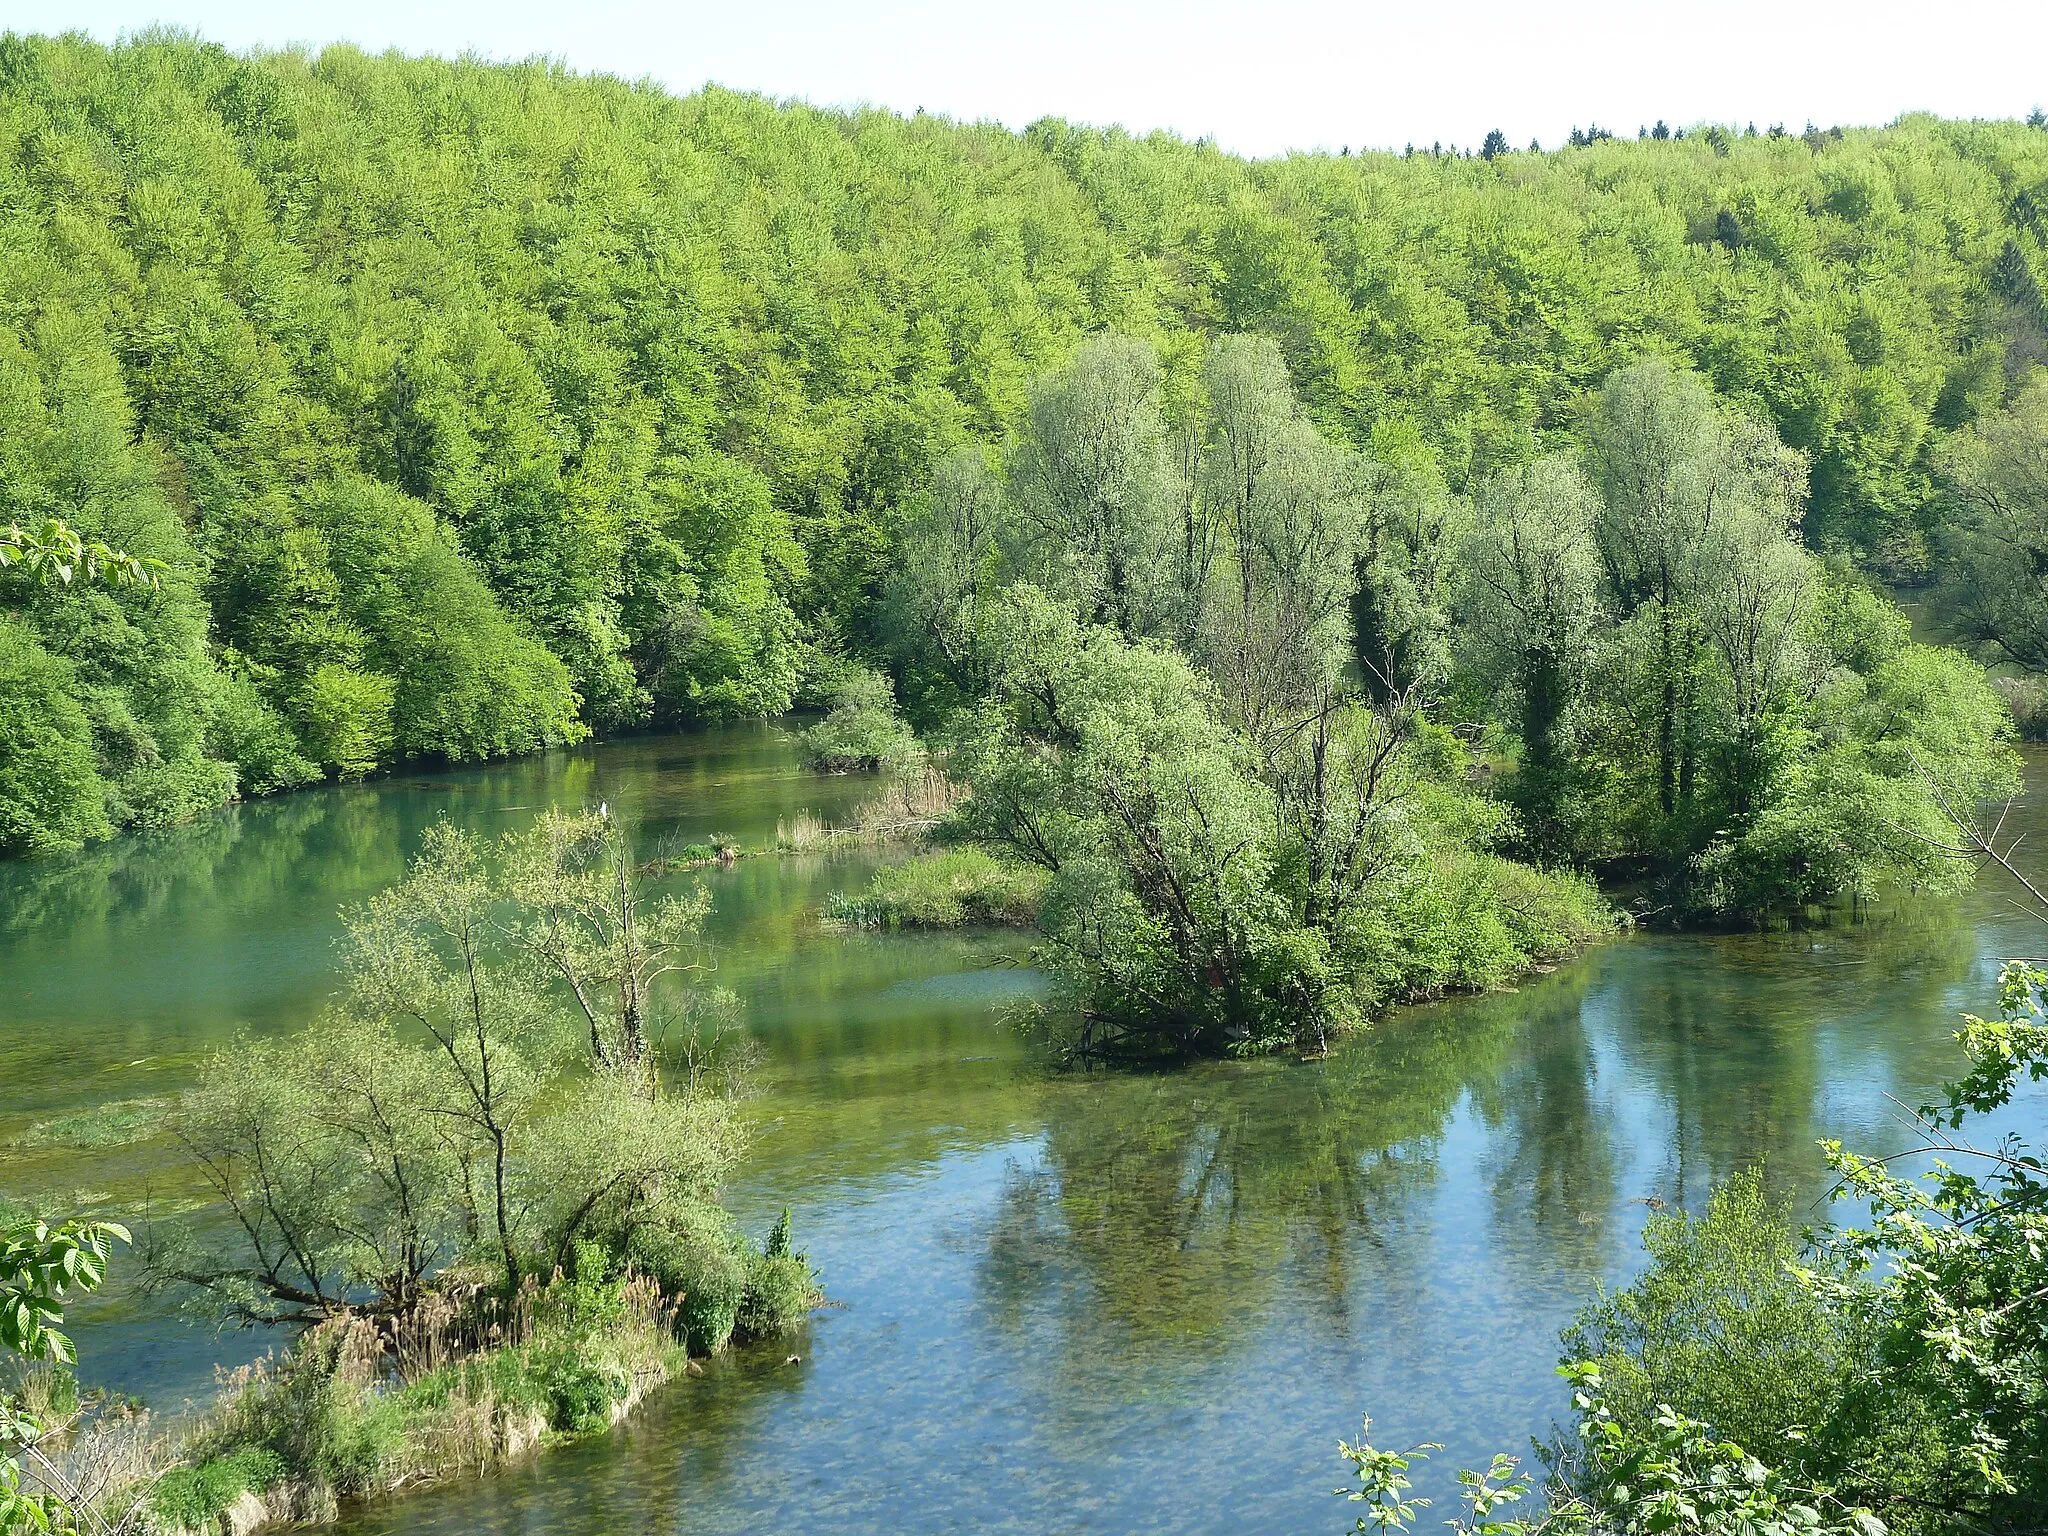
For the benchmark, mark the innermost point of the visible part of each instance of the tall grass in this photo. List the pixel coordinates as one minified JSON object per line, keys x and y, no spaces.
{"x":953,"y":888}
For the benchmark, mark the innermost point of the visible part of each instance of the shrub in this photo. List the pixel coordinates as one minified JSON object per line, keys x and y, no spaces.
{"x":187,"y":1498}
{"x":783,"y":1290}
{"x":731,"y":1291}
{"x":707,"y":1263}
{"x":247,"y":732}
{"x":578,"y":1391}
{"x":862,"y":730}
{"x":315,"y":1408}
{"x":1719,"y":1326}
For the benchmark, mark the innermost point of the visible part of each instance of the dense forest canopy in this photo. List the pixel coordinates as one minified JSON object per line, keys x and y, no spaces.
{"x":473,"y":407}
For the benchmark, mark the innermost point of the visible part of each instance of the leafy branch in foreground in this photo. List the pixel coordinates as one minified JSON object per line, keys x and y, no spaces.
{"x":1672,"y":1475}
{"x":54,"y":552}
{"x":42,"y":1267}
{"x":1894,"y":1376}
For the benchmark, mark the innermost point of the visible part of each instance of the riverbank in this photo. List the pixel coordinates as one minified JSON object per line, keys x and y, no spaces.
{"x":1125,"y":1299}
{"x":354,"y":1413}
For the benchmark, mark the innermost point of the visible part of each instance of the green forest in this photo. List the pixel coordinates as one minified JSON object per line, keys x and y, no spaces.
{"x":471,"y":408}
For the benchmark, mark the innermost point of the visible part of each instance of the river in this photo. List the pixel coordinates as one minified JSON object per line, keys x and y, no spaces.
{"x":1079,"y":1302}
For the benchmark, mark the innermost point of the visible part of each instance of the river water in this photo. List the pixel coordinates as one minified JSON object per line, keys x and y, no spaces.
{"x":1072,"y":1302}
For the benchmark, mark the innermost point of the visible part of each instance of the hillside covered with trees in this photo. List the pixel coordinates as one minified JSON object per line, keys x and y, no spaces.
{"x":471,"y":408}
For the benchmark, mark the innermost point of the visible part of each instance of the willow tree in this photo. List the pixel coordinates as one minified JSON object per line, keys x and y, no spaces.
{"x":1093,"y":485}
{"x":1285,"y":506}
{"x":591,"y":925}
{"x":1675,"y":468}
{"x":1531,"y":606}
{"x":1996,"y":590}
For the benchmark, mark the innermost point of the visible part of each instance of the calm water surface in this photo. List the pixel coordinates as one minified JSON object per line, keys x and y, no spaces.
{"x":1063,"y":1303}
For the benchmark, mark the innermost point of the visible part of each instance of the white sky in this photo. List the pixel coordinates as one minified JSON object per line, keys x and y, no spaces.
{"x":1260,"y":79}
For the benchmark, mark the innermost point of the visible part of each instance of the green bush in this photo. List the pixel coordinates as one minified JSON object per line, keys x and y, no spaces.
{"x":948,"y":889}
{"x":784,"y":1288}
{"x":578,"y":1391}
{"x":248,"y":732}
{"x":705,"y":1261}
{"x":163,"y":794}
{"x":1719,"y":1326}
{"x":781,"y":1293}
{"x":862,"y":730}
{"x":730,"y":1290}
{"x":187,"y":1498}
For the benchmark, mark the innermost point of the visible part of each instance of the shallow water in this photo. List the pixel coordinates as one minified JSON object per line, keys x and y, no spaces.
{"x":1082,"y":1302}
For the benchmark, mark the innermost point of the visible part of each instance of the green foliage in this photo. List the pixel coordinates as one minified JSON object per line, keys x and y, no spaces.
{"x":462,"y":1104}
{"x":132,"y":653}
{"x":185,"y":1498}
{"x":468,"y":681}
{"x":1203,"y":895}
{"x":1721,"y":1324}
{"x":51,"y":794}
{"x":57,"y":554}
{"x":650,"y":387}
{"x":1674,"y":1476}
{"x":578,"y":1392}
{"x":951,"y":888}
{"x":41,"y":1268}
{"x":862,"y":730}
{"x":730,"y":1290}
{"x":248,"y":731}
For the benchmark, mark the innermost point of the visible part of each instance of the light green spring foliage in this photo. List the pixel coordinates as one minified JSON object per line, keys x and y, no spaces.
{"x":947,"y":889}
{"x":649,"y":383}
{"x":862,"y":730}
{"x":1890,"y":1374}
{"x":1673,"y":1476}
{"x":484,"y":1093}
{"x":1686,"y":683}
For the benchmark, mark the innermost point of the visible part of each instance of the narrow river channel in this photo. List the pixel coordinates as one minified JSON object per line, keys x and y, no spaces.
{"x":1061,"y":1302}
